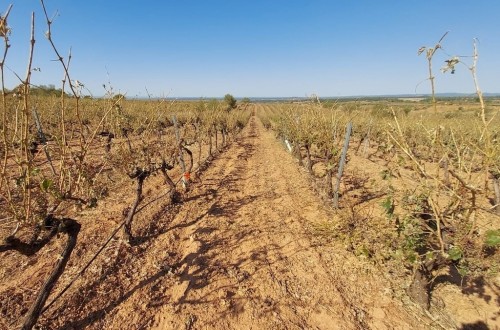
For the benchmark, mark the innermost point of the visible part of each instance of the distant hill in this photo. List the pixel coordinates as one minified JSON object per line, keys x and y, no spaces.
{"x":352,"y":97}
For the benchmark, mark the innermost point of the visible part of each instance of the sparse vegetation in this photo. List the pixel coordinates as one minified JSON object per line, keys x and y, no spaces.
{"x":60,"y":150}
{"x":441,"y":173}
{"x":420,"y":197}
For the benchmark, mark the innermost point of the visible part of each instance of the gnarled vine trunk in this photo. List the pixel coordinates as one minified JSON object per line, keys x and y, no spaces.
{"x":71,"y":228}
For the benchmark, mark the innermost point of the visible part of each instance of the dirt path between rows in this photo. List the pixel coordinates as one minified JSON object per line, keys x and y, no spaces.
{"x":247,"y":259}
{"x":248,"y":262}
{"x":238,"y":253}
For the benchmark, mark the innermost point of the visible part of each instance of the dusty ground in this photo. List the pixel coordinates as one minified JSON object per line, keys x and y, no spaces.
{"x":249,"y":261}
{"x":238,"y":253}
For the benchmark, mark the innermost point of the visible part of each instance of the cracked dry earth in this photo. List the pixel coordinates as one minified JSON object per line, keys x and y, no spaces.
{"x":238,"y":253}
{"x":247,"y":258}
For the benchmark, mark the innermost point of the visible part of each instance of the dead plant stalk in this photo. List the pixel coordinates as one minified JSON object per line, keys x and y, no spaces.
{"x":5,"y":34}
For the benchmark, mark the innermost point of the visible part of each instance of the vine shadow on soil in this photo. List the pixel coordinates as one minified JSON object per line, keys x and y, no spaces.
{"x":99,"y":314}
{"x":479,"y":325}
{"x":161,"y":227}
{"x":470,"y":286}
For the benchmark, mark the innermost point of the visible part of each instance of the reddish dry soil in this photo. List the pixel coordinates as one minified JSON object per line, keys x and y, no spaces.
{"x":239,"y":252}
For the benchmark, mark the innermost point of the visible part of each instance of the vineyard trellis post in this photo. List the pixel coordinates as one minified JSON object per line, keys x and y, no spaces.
{"x":178,"y":137}
{"x":341,"y":164}
{"x":496,"y":188}
{"x":43,"y":139}
{"x":185,"y":173}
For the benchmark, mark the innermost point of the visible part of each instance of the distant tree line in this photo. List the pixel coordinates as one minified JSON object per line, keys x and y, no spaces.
{"x":38,"y":90}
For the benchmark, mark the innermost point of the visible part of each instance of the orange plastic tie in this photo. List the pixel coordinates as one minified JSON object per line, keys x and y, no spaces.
{"x":187,"y":176}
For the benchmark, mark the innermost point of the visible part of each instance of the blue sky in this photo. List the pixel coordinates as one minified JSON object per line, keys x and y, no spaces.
{"x":201,"y":48}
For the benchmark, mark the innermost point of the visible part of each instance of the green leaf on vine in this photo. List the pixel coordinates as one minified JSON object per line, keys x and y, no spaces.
{"x":492,"y":238}
{"x":388,"y":205}
{"x":455,"y":253}
{"x":46,"y":184}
